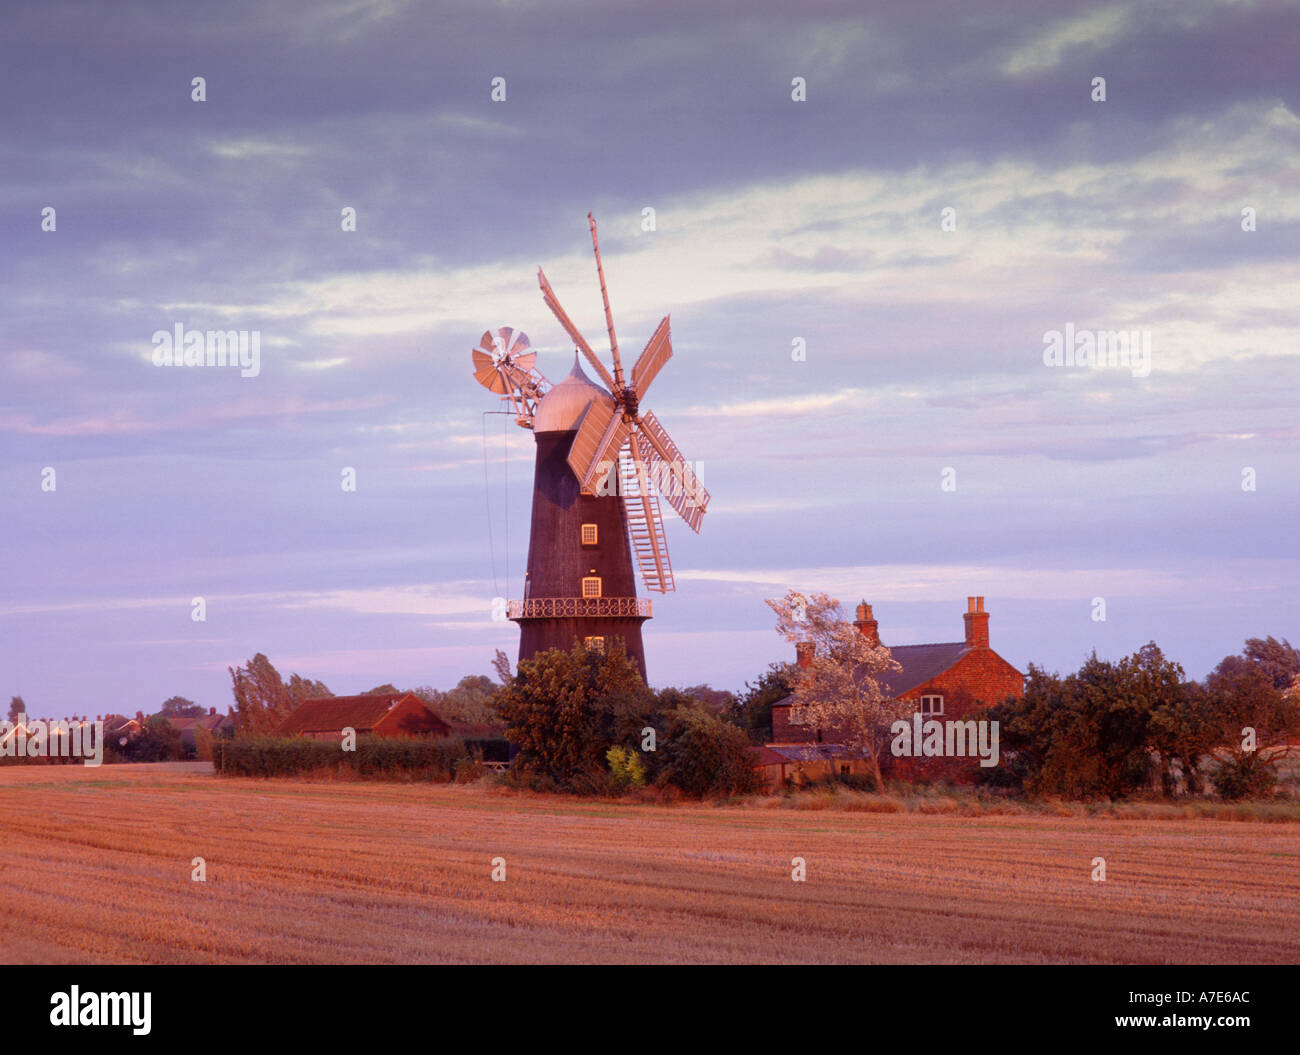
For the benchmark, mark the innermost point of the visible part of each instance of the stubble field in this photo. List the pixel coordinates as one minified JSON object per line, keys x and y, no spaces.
{"x":96,"y":866}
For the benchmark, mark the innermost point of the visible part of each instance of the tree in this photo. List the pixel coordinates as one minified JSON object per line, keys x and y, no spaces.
{"x":501,"y":667}
{"x":718,"y":701}
{"x":1098,"y":732}
{"x":305,"y":689}
{"x":1278,"y":659}
{"x":473,"y":700}
{"x":387,"y":689}
{"x":1254,"y":718}
{"x":262,"y":700}
{"x":158,"y":741}
{"x":180,"y":707}
{"x":753,"y":708}
{"x":566,"y":709}
{"x":16,"y":707}
{"x":839,"y":695}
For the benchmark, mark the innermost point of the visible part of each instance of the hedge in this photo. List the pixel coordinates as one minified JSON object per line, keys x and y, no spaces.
{"x":401,"y":758}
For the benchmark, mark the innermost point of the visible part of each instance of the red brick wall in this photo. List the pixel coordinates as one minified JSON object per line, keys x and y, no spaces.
{"x":783,"y":732}
{"x":979,"y":679}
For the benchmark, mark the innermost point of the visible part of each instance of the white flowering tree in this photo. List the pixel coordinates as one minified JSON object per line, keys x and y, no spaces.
{"x":839,"y":691}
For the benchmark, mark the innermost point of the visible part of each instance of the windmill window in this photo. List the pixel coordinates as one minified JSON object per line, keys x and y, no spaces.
{"x":594,"y":644}
{"x":931,"y":705}
{"x":591,"y":586}
{"x":589,"y":534}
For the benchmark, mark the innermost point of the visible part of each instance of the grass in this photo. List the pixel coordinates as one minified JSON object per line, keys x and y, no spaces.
{"x":972,"y":802}
{"x":397,"y":872}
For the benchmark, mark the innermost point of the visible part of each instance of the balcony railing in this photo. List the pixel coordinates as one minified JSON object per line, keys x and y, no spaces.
{"x":581,"y":608}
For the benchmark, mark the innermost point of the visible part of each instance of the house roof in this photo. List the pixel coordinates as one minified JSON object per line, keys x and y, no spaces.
{"x":203,"y":721}
{"x":336,"y":712}
{"x":765,"y":756}
{"x":811,"y":752}
{"x":920,"y":663}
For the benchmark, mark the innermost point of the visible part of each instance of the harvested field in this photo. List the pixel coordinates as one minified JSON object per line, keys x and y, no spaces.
{"x":95,"y":867}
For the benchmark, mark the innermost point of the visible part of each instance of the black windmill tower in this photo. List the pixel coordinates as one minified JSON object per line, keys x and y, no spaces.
{"x":603,"y":464}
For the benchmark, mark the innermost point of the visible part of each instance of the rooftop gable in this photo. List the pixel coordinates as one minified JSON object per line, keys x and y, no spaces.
{"x":331,"y":713}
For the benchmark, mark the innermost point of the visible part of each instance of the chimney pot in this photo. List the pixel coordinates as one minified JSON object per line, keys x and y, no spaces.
{"x":804,"y":653}
{"x":977,"y":623}
{"x":212,"y":711}
{"x":866,"y":624}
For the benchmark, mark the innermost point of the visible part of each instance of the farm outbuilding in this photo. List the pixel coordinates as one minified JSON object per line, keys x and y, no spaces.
{"x":391,"y":714}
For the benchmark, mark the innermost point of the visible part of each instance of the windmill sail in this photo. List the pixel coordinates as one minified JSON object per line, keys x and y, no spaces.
{"x":602,"y":431}
{"x":658,"y":350}
{"x":673,"y":475}
{"x":552,"y":302}
{"x":645,"y":522}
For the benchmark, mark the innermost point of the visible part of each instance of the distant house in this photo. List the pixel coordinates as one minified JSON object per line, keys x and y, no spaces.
{"x":214,"y":723}
{"x":121,"y":729}
{"x":393,"y":714}
{"x":945,"y":682}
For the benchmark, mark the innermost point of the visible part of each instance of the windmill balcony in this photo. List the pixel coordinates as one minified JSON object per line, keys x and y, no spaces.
{"x":581,"y":607}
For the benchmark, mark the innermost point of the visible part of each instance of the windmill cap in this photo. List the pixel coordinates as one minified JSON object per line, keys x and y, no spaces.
{"x":562,"y":407}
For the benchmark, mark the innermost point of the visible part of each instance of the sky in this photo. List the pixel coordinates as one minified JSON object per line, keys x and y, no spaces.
{"x":863,"y":283}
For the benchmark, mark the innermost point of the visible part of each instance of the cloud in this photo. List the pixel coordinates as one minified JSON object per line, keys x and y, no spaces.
{"x":1096,"y":29}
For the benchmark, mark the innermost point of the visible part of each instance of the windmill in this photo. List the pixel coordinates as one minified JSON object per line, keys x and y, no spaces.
{"x":603,"y":464}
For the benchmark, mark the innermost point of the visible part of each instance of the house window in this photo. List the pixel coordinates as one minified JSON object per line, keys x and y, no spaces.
{"x":589,"y":534}
{"x":594,"y":644}
{"x":844,"y":770}
{"x":931,"y":705}
{"x":591,"y":586}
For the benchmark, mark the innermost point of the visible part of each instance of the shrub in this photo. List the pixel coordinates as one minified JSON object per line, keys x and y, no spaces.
{"x":706,"y":756}
{"x":626,"y":769}
{"x":1244,"y":777}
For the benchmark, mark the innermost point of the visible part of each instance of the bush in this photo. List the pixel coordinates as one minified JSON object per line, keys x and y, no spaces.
{"x":707,"y":756}
{"x":1244,"y":777}
{"x":394,"y":758}
{"x":626,"y":769}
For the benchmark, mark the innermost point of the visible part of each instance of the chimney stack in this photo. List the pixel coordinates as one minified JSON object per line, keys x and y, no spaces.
{"x":867,"y":625}
{"x":139,"y":717}
{"x":212,"y":712}
{"x":977,"y":623}
{"x":804,"y":653}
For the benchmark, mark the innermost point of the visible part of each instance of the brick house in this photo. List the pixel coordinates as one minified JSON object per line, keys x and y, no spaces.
{"x":947,"y":681}
{"x":391,"y":714}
